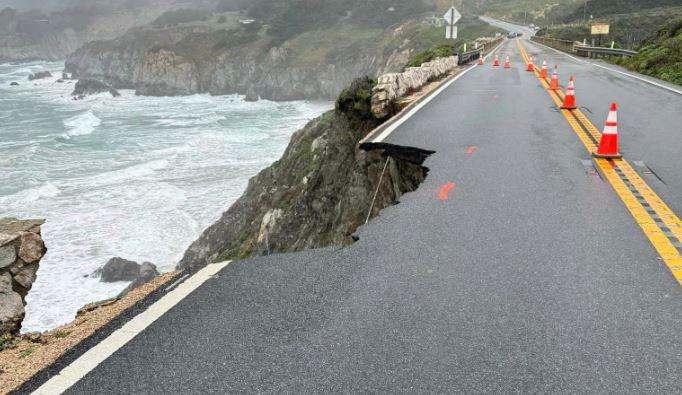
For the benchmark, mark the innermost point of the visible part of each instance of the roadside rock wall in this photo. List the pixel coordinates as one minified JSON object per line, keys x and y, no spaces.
{"x":21,"y":249}
{"x":395,"y":85}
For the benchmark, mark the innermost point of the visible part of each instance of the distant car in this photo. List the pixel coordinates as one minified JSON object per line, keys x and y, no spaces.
{"x":511,"y":35}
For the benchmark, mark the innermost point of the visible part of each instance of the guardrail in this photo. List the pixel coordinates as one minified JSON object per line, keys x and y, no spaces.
{"x":561,"y":45}
{"x":582,"y":50}
{"x":595,"y":52}
{"x":466,"y":57}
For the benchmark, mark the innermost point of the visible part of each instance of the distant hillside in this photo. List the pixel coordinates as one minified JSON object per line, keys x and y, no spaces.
{"x":52,"y":33}
{"x":274,"y":49}
{"x":606,"y":8}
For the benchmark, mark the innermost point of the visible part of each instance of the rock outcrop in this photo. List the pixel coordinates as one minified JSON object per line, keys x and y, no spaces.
{"x":183,"y":61}
{"x":319,"y":192}
{"x":148,"y":272}
{"x":40,"y":75}
{"x":119,"y":269}
{"x":21,"y":249}
{"x":91,"y":87}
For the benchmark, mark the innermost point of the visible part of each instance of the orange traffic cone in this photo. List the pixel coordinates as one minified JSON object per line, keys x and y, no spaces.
{"x":543,"y":72}
{"x":569,"y":100}
{"x":531,"y":66}
{"x":480,"y":60}
{"x":608,"y":146}
{"x":554,"y":85}
{"x":496,"y":63}
{"x":507,"y":65}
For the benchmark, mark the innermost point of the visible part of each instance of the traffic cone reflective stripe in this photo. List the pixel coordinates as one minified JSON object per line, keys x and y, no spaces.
{"x":569,"y":100}
{"x":608,"y":146}
{"x":543,"y":72}
{"x":506,"y":63}
{"x":554,"y":85}
{"x":531,"y":66}
{"x":496,"y":63}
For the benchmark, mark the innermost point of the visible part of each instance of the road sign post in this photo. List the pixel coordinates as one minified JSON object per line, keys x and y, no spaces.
{"x":452,"y":17}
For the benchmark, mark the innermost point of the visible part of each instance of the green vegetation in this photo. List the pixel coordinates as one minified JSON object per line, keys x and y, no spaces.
{"x":661,"y":55}
{"x":183,"y":15}
{"x":61,"y":335}
{"x":26,"y":352}
{"x":6,"y":342}
{"x":435,"y":52}
{"x":356,"y":100}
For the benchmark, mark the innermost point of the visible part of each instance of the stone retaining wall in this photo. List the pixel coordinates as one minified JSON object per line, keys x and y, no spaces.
{"x":395,"y":85}
{"x":21,"y":249}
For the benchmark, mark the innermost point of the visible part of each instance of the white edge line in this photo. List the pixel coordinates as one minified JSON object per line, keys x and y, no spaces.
{"x":613,"y":70}
{"x":639,"y":78}
{"x":87,"y":362}
{"x":418,"y":107}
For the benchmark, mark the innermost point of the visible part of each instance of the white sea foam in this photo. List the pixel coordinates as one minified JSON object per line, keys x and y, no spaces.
{"x":82,"y":124}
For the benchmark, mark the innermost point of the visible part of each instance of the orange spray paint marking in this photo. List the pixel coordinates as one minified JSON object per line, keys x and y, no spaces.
{"x":471,"y":150}
{"x":445,"y":190}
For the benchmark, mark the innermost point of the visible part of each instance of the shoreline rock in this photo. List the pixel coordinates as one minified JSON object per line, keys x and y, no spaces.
{"x":21,"y":249}
{"x":119,"y":269}
{"x":86,"y":87}
{"x":39,"y":76}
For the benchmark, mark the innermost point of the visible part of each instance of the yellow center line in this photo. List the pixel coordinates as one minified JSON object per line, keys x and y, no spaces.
{"x":658,"y":222}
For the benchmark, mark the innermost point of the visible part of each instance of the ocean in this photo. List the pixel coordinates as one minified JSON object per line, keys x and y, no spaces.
{"x":135,"y":177}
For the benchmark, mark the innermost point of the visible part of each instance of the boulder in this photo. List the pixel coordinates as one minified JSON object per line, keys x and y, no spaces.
{"x":11,"y":307}
{"x":119,"y":269}
{"x":251,"y":95}
{"x":39,"y":75}
{"x":147,"y":273}
{"x":7,"y":256}
{"x":32,"y":247}
{"x":87,"y":87}
{"x":14,"y":84}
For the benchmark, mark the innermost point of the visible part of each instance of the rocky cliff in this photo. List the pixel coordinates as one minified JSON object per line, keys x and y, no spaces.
{"x":195,"y":59}
{"x":321,"y":190}
{"x":21,"y":248}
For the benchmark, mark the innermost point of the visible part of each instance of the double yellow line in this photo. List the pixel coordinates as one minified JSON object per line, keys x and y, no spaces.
{"x":658,"y":222}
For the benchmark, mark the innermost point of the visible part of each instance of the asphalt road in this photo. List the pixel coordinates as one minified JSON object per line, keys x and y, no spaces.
{"x":530,"y":277}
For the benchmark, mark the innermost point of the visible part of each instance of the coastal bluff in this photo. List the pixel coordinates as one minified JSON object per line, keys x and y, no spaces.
{"x":21,"y":249}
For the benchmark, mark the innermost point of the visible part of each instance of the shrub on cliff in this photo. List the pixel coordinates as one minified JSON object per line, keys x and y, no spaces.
{"x":356,"y":100}
{"x":435,"y":52}
{"x":661,"y":55}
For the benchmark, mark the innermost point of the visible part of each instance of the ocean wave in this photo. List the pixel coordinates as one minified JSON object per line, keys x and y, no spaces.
{"x":45,"y":190}
{"x":82,"y":124}
{"x":132,"y":172}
